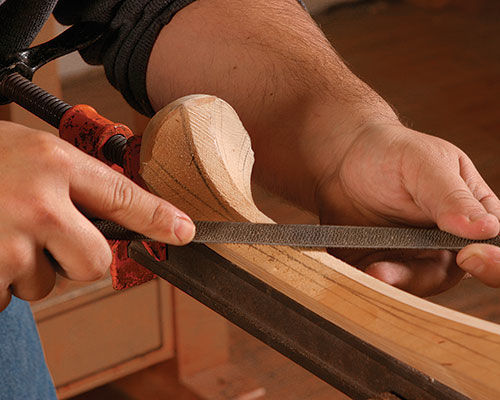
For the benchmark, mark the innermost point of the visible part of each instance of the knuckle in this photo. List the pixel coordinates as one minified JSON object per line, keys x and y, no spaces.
{"x":45,"y":216}
{"x":18,"y":253}
{"x":50,"y":151}
{"x":444,"y":147}
{"x":95,"y":274}
{"x":98,"y":263}
{"x":95,"y":270}
{"x":122,"y":197}
{"x":457,"y":195}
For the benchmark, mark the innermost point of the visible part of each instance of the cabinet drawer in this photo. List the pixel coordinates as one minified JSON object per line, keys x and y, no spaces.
{"x":93,"y":334}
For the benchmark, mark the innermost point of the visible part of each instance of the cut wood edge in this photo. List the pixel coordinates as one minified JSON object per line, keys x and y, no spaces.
{"x":197,"y":155}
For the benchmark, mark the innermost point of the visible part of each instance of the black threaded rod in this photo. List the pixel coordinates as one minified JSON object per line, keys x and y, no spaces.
{"x":33,"y":98}
{"x":114,"y":149}
{"x":51,"y":109}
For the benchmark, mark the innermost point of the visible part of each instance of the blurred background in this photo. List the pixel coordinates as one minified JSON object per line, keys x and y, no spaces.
{"x":436,"y":61}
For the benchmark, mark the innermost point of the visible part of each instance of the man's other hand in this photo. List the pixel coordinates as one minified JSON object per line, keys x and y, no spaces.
{"x":42,"y":179}
{"x":391,"y":175}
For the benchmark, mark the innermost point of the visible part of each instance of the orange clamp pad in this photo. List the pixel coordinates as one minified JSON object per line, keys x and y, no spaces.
{"x":83,"y":127}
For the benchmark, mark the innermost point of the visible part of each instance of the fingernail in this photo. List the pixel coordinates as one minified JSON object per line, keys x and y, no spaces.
{"x":184,"y":228}
{"x":473,"y":264}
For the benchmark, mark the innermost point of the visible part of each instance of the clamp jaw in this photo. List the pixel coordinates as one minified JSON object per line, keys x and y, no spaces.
{"x":81,"y":125}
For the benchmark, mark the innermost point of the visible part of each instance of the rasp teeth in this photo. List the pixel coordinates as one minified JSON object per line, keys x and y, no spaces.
{"x":299,"y":235}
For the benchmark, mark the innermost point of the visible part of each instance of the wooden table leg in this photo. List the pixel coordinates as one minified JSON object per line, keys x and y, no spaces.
{"x":201,"y":336}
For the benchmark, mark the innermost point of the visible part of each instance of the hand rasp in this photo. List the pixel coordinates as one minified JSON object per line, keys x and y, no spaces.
{"x":302,"y":235}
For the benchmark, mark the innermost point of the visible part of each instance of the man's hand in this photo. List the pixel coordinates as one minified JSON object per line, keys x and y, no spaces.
{"x":323,"y":139}
{"x":390,"y":175}
{"x":42,"y":179}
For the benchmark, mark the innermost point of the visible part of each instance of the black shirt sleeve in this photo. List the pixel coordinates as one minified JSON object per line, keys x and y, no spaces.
{"x":20,"y":22}
{"x":133,"y":26}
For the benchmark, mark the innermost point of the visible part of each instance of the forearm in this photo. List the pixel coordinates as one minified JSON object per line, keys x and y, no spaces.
{"x":274,"y":66}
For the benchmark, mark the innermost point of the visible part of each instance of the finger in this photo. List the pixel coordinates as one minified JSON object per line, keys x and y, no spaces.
{"x":456,"y":210}
{"x":481,"y":261}
{"x":424,"y":275}
{"x":34,"y":280}
{"x":110,"y":195}
{"x":75,"y":243}
{"x":420,"y":272}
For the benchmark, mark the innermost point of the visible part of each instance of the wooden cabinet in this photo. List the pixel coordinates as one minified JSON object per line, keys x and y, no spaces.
{"x":92,"y":334}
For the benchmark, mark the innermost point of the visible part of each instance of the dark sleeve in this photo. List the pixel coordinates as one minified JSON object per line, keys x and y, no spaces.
{"x":124,"y":51}
{"x":20,"y":21}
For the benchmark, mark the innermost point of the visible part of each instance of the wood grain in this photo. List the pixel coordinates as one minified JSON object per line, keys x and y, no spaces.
{"x":197,"y":155}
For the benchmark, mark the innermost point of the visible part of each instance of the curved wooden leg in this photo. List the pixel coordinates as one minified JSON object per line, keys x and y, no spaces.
{"x":197,"y":155}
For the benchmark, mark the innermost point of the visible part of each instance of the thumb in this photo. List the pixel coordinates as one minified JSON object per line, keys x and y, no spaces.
{"x":455,"y":209}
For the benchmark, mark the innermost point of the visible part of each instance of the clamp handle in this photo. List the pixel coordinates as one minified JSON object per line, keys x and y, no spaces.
{"x":27,"y":61}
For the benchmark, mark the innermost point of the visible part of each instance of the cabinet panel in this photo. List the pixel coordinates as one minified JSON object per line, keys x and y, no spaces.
{"x":93,"y":334}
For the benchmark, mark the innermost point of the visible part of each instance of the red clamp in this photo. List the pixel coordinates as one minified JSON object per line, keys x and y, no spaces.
{"x":82,"y":126}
